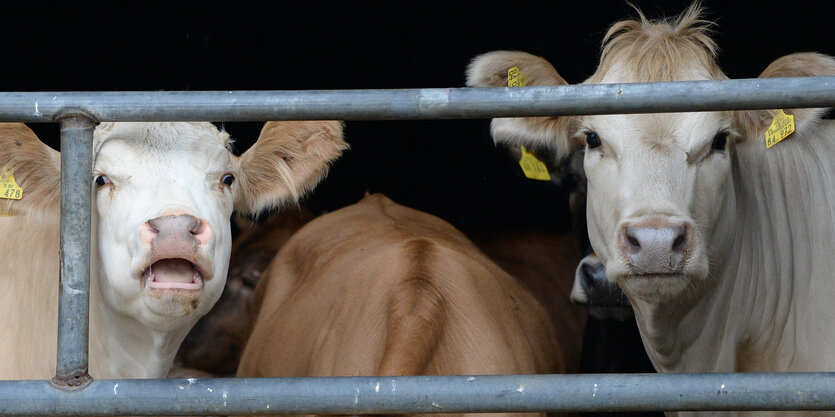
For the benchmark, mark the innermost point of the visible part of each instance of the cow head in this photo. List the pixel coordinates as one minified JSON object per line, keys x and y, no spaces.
{"x":163,"y":197}
{"x":604,"y":299}
{"x":656,"y":182}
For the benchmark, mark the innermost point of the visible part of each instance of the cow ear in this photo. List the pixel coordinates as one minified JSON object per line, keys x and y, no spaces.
{"x":491,"y":70}
{"x":753,"y":124}
{"x":288,"y":159}
{"x":30,"y":181}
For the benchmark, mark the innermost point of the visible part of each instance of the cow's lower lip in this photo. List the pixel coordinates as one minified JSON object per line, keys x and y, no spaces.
{"x":172,"y":275}
{"x":653,"y":276}
{"x":650,"y":279}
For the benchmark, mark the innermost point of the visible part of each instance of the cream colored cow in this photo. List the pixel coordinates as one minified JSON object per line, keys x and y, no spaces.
{"x":723,"y":247}
{"x":164,"y":194}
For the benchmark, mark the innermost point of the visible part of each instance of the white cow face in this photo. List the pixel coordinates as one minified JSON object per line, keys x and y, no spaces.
{"x":656,"y":184}
{"x":655,"y":181}
{"x":164,"y":194}
{"x":164,"y":198}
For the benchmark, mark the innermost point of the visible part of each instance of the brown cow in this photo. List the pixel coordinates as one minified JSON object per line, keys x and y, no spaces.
{"x":215,"y":343}
{"x":543,"y":261}
{"x":377,"y":288}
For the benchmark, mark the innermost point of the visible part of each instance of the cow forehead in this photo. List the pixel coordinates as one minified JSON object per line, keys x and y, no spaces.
{"x":631,"y":72}
{"x":162,"y":137}
{"x":687,"y":131}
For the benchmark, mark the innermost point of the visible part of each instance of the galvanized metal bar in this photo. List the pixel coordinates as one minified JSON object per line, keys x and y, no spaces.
{"x":430,"y":103}
{"x":73,"y":298}
{"x":377,"y":395}
{"x":424,"y":394}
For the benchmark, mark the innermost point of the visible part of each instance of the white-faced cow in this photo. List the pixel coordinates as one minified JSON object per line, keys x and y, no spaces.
{"x":377,"y":288}
{"x":164,"y":194}
{"x":723,"y":247}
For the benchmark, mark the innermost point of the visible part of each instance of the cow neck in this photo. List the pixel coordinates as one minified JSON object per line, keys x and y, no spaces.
{"x":121,"y":346}
{"x":785,"y":248}
{"x":773,"y":266}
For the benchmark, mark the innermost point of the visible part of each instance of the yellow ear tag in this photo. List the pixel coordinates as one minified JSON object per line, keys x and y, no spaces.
{"x":516,"y":78}
{"x":533,"y":167}
{"x":8,"y":186}
{"x":781,"y":127}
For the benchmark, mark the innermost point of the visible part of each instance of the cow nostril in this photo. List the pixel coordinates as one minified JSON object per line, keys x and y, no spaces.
{"x":153,"y":226}
{"x":195,"y":226}
{"x":201,"y":230}
{"x":587,"y":276}
{"x":633,"y":241}
{"x":681,"y":238}
{"x":630,"y":239}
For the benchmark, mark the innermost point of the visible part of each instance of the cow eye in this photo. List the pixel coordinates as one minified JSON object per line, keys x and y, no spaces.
{"x":102,"y":180}
{"x":592,"y":140}
{"x":228,"y":179}
{"x":720,"y":141}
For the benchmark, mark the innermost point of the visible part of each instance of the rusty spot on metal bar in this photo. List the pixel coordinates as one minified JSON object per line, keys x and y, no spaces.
{"x":75,"y":380}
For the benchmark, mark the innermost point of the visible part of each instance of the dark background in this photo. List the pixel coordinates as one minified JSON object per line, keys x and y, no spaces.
{"x":447,"y":167}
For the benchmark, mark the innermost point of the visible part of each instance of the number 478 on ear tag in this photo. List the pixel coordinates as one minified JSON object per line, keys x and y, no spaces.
{"x":8,"y":186}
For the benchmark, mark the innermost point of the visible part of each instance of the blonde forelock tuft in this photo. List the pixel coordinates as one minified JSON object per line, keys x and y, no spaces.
{"x":660,"y":50}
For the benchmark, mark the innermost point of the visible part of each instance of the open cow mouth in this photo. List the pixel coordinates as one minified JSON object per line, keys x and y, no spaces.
{"x":173,"y":274}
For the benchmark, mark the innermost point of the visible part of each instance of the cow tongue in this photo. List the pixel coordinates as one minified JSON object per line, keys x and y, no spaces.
{"x":173,"y":270}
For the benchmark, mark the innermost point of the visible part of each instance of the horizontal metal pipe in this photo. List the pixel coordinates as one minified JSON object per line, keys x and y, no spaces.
{"x":450,"y":394}
{"x":425,"y":394}
{"x":427,"y":103}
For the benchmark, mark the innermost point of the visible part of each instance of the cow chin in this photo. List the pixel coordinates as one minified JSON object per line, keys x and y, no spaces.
{"x":655,"y":288}
{"x":658,"y":287}
{"x":172,"y":303}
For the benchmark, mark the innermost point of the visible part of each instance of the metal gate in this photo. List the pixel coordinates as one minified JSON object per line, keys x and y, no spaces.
{"x":73,"y":392}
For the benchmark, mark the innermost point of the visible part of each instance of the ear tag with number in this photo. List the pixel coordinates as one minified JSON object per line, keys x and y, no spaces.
{"x":533,"y":167}
{"x":516,"y":78}
{"x":8,"y":186}
{"x":781,"y":127}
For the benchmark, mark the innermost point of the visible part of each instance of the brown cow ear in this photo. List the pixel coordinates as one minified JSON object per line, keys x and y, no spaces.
{"x":501,"y":68}
{"x":288,"y":159}
{"x":36,"y":168}
{"x":753,"y":124}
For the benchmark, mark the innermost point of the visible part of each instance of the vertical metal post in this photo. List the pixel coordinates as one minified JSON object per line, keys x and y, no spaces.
{"x":74,"y":294}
